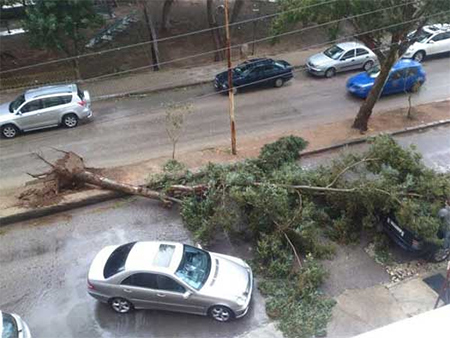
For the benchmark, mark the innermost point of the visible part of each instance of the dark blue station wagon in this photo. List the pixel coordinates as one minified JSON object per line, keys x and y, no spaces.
{"x":256,"y":72}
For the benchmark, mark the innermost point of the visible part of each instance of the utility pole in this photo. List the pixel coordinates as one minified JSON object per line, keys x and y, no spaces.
{"x":230,"y":82}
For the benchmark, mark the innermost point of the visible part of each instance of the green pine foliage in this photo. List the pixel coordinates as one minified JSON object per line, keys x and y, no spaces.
{"x":330,"y":205}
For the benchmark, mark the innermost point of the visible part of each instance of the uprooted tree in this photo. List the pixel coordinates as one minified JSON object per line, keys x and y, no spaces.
{"x":382,"y":25}
{"x":293,"y":215}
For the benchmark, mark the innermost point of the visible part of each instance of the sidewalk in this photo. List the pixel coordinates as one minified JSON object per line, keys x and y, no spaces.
{"x":166,"y":79}
{"x":362,"y":310}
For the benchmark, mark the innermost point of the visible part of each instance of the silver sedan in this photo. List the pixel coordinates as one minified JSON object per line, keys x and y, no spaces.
{"x":171,"y":276}
{"x":341,"y":57}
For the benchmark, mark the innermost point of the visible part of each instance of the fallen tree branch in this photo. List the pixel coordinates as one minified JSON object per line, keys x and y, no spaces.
{"x":308,"y":187}
{"x":294,"y":250}
{"x":348,"y":168}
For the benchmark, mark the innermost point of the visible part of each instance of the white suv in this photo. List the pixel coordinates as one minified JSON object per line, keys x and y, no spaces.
{"x":43,"y":108}
{"x":434,"y":39}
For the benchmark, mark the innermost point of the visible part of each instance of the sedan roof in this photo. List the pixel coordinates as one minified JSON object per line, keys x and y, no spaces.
{"x":350,"y":45}
{"x":154,"y":257}
{"x":405,"y":63}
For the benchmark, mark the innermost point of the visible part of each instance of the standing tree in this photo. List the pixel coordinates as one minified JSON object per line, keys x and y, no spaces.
{"x":384,"y":31}
{"x":60,"y":24}
{"x":167,"y":6}
{"x":175,"y":117}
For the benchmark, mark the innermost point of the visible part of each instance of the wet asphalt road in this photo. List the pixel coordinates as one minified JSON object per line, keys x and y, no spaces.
{"x":132,"y":130}
{"x":44,"y":266}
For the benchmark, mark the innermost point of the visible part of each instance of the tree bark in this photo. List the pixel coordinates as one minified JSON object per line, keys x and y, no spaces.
{"x":165,"y":13}
{"x":153,"y":37}
{"x":238,"y":4}
{"x":217,"y":38}
{"x":365,"y":111}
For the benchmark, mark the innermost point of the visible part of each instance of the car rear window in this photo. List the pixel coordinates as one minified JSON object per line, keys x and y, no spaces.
{"x":116,"y":262}
{"x":80,"y":93}
{"x":9,"y":326}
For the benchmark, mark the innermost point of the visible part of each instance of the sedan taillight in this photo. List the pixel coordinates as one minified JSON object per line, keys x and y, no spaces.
{"x":82,"y":103}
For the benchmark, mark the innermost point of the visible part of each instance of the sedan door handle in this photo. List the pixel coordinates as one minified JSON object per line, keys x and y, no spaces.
{"x":127,"y":290}
{"x":160,"y":295}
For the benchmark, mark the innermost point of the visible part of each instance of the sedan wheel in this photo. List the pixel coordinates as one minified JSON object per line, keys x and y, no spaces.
{"x":330,"y":72}
{"x":279,"y":83}
{"x":368,"y":65}
{"x":70,"y":121}
{"x":221,"y":313}
{"x":9,"y":131}
{"x":121,"y":305}
{"x":440,"y":255}
{"x":419,"y":56}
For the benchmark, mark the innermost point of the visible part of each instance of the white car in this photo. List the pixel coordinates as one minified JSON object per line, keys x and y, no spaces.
{"x":434,"y":39}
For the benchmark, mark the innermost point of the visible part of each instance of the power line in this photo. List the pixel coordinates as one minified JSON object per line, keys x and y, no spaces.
{"x":167,"y":38}
{"x":241,"y":44}
{"x":274,"y":77}
{"x":196,"y":32}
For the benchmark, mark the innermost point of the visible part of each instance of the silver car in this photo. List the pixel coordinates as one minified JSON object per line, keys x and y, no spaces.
{"x":43,"y":108}
{"x":341,"y":57}
{"x":171,"y":276}
{"x":12,"y":326}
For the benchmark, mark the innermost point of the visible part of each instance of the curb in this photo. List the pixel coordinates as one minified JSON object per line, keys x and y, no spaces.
{"x":110,"y":195}
{"x":149,"y":91}
{"x":364,"y":139}
{"x":54,"y":209}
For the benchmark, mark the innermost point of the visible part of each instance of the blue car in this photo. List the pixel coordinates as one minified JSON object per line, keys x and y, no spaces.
{"x":404,"y":76}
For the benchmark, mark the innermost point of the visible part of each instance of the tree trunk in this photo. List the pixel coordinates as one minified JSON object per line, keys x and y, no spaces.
{"x":218,"y":41}
{"x":153,"y":37}
{"x":238,"y":4}
{"x":365,"y":111}
{"x":165,"y":13}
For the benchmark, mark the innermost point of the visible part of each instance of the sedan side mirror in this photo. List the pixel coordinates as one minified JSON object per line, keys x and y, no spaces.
{"x":19,"y":113}
{"x":431,"y":41}
{"x":187,"y":294}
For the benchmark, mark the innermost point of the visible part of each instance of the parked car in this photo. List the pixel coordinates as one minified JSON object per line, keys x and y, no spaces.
{"x":405,"y":75}
{"x":254,"y":73}
{"x":411,"y":242}
{"x":341,"y":57}
{"x":43,"y":108}
{"x":432,"y":40}
{"x":12,"y":326}
{"x":171,"y":276}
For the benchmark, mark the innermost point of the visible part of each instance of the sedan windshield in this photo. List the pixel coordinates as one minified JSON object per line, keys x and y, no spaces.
{"x":334,"y":52}
{"x":194,"y":267}
{"x":16,"y":103}
{"x":374,"y":71}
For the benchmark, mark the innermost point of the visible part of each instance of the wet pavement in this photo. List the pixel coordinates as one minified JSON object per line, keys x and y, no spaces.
{"x":44,"y":266}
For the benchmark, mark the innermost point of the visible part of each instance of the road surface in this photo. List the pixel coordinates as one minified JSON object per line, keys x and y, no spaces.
{"x":133,"y":130}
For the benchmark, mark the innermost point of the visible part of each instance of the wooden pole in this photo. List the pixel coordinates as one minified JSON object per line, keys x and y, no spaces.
{"x":230,"y":82}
